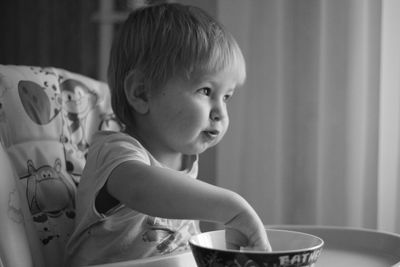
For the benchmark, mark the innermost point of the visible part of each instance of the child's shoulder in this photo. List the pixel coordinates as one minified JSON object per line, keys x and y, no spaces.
{"x":102,"y":138}
{"x":112,"y":136}
{"x":110,"y":140}
{"x":109,"y":145}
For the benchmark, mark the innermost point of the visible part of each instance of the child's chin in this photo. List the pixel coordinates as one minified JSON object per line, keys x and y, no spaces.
{"x":207,"y":147}
{"x":199,"y":148}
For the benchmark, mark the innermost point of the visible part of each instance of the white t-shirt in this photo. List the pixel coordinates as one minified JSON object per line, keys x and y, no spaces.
{"x":121,"y":233}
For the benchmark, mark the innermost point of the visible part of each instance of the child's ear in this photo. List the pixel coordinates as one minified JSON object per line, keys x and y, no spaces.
{"x":136,"y":92}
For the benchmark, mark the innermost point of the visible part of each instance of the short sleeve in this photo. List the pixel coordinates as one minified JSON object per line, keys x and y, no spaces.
{"x":108,"y":150}
{"x":114,"y":151}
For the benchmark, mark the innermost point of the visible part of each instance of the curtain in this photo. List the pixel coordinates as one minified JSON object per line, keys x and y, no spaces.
{"x":50,"y":33}
{"x":314,"y":135}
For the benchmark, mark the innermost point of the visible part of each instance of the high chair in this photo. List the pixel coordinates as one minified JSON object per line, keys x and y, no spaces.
{"x":47,"y":118}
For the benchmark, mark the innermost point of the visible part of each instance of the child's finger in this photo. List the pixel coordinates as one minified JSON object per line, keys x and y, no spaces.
{"x":235,"y":239}
{"x":262,"y":243}
{"x":262,"y":247}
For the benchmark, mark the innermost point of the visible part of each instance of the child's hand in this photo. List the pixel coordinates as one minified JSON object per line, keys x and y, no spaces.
{"x":246,"y":231}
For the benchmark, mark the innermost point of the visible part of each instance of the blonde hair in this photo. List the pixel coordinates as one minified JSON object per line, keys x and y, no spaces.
{"x":166,"y":40}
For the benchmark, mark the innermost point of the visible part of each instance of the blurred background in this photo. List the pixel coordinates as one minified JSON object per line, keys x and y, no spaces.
{"x":315,"y":130}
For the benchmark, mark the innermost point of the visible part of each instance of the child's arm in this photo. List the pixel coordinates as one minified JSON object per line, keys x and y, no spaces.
{"x":166,"y":193}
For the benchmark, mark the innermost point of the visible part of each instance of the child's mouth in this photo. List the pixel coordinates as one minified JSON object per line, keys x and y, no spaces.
{"x":211,"y":134}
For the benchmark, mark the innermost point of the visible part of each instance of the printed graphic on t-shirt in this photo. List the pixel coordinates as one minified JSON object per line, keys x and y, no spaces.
{"x":169,"y":235}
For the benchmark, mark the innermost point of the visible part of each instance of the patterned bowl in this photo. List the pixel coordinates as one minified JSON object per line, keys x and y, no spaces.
{"x":289,"y":248}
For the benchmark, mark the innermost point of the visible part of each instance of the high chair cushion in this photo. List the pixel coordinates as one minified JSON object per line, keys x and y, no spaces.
{"x":47,"y":118}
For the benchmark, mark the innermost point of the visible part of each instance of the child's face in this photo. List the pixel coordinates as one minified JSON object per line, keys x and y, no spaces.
{"x":189,"y":116}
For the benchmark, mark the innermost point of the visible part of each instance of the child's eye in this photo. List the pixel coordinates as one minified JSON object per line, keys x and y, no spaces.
{"x":205,"y":91}
{"x":227,"y":97}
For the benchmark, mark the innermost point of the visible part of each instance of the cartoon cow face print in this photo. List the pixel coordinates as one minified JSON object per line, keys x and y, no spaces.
{"x":50,"y":198}
{"x":47,"y":190}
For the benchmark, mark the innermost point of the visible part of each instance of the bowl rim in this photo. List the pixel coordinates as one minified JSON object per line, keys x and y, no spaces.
{"x":320,"y":244}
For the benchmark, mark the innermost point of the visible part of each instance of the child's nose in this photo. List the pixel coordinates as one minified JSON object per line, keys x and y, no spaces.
{"x":218,"y":113}
{"x":214,"y":116}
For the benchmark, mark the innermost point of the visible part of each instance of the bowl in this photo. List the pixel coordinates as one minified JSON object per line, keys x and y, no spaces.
{"x":289,"y":248}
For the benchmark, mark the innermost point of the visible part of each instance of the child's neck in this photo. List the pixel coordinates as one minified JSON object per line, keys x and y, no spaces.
{"x":175,"y":163}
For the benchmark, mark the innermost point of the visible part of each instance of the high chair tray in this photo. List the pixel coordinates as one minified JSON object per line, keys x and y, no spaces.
{"x":353,"y":246}
{"x":347,"y":247}
{"x":183,"y":259}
